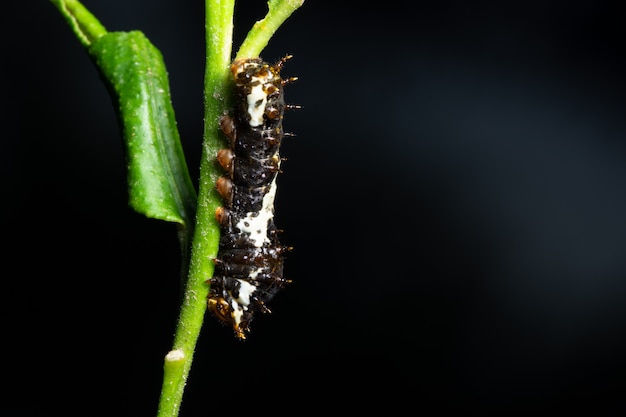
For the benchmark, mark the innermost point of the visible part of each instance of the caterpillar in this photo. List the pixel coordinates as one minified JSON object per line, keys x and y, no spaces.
{"x":249,"y":264}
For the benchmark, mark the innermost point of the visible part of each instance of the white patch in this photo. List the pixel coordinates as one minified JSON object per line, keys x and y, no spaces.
{"x":255,"y":224}
{"x":239,"y":305}
{"x":237,"y":312}
{"x":254,"y":274}
{"x":175,"y":355}
{"x":257,"y":101}
{"x":245,"y":291}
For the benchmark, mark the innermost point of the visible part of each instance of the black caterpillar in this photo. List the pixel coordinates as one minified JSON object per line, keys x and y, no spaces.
{"x":249,"y":265}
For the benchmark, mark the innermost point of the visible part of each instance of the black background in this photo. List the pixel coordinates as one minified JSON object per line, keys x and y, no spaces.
{"x":455,"y":195}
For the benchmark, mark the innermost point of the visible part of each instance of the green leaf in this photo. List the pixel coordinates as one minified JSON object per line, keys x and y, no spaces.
{"x":158,"y":180}
{"x":84,"y":25}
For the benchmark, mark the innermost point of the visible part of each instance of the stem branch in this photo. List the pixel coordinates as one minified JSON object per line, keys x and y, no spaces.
{"x":263,"y":30}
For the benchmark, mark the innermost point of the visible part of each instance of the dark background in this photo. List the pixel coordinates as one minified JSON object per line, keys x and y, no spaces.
{"x":455,"y":195}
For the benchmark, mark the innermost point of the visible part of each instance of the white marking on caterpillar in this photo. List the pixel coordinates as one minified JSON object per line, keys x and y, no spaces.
{"x":240,"y":304}
{"x":257,"y":101}
{"x":254,"y":274}
{"x":255,"y":223}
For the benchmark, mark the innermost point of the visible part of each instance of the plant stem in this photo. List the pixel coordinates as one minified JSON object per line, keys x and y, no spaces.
{"x":219,"y":30}
{"x":263,"y":30}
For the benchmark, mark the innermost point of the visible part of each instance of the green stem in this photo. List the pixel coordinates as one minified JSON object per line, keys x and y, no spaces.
{"x":263,"y":30}
{"x":219,"y":30}
{"x":86,"y":27}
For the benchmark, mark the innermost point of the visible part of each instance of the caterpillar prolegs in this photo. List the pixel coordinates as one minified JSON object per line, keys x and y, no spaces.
{"x":249,"y":265}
